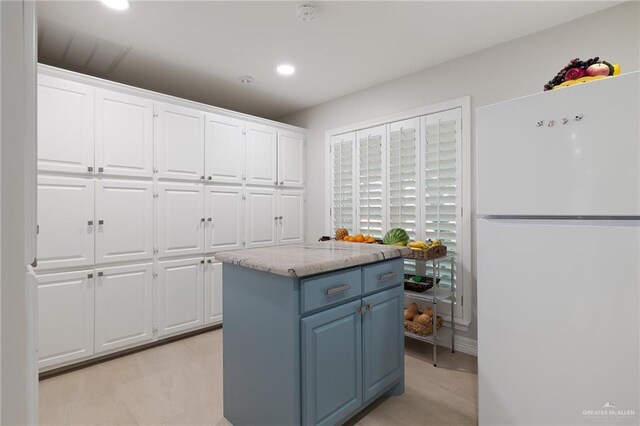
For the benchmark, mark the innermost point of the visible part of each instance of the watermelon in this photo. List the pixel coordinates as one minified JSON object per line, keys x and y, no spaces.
{"x":396,"y":237}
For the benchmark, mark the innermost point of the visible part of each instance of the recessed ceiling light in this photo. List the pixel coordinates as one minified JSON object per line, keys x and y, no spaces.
{"x":247,"y":80}
{"x":117,"y":4}
{"x":286,"y":69}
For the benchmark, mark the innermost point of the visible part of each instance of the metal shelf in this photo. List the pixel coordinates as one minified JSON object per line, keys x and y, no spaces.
{"x":436,"y":295}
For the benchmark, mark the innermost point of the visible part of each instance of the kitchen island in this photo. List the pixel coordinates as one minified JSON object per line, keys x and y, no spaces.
{"x":313,"y":333}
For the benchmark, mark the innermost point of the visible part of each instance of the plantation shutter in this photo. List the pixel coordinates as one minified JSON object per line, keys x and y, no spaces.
{"x":342,"y":182}
{"x":370,"y":160}
{"x":402,"y":175}
{"x":442,"y":180}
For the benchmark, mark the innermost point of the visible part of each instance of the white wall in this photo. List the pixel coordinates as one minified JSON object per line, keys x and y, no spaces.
{"x":513,"y":69}
{"x":18,"y":373}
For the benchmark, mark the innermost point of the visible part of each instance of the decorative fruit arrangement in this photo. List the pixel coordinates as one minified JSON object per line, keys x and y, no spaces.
{"x":423,"y":245}
{"x":396,"y":237}
{"x":360,"y":238}
{"x":341,"y":233}
{"x":577,"y":71}
{"x":420,"y":322}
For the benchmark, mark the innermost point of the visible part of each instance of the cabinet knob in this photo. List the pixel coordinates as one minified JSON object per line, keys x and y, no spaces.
{"x":89,"y":275}
{"x":280,"y":217}
{"x":101,"y":222}
{"x":208,"y":260}
{"x":202,"y":262}
{"x":275,"y":218}
{"x":89,"y":169}
{"x":202,"y":219}
{"x":90,"y":223}
{"x":100,"y":169}
{"x":202,"y":177}
{"x":281,"y":182}
{"x":208,"y":219}
{"x":100,"y":274}
{"x":275,"y":183}
{"x":210,"y":178}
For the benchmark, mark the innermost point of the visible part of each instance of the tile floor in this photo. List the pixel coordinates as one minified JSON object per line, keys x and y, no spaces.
{"x":181,"y":384}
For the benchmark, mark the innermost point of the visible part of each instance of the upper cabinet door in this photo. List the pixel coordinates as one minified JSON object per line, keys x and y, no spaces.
{"x":181,"y":221}
{"x":290,"y":159}
{"x":261,"y":155}
{"x":261,"y":217}
{"x":224,"y":149}
{"x":225,"y":216}
{"x":124,"y":220}
{"x":124,"y":306}
{"x":290,"y":218}
{"x":66,"y":222}
{"x":65,"y":126}
{"x":65,"y":317}
{"x":179,"y":142}
{"x":124,"y":134}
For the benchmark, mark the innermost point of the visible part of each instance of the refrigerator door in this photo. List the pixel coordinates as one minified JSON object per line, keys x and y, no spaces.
{"x":558,"y":322}
{"x":589,"y":166}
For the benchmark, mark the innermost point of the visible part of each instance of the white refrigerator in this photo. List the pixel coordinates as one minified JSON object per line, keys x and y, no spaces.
{"x":558,"y":249}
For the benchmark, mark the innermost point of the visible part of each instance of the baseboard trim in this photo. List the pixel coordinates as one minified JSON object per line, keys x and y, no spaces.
{"x":466,"y":345}
{"x":92,"y":361}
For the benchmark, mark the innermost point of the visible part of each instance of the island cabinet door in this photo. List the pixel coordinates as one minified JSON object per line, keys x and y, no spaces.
{"x":332,"y":364}
{"x":383,"y":341}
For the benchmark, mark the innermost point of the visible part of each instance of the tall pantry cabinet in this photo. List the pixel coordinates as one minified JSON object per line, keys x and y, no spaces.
{"x":136,"y":192}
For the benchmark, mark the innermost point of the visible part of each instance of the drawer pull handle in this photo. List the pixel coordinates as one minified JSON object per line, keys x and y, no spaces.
{"x":387,"y":276}
{"x":336,"y":290}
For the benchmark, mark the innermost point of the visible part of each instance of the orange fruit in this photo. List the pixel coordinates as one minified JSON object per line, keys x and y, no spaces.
{"x":359,"y":238}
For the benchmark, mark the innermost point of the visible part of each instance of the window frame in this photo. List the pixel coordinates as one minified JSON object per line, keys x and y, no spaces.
{"x":464,"y":255}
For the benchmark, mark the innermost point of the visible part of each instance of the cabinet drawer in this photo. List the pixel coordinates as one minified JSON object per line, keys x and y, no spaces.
{"x":383,"y":275}
{"x":330,"y":289}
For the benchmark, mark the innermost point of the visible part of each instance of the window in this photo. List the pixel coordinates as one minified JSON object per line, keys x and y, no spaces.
{"x":342,"y":172}
{"x":370,"y":181}
{"x":407,"y":172}
{"x":442,"y":139}
{"x":403,"y":176}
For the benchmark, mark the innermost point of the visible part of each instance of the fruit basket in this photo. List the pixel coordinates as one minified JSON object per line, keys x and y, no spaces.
{"x":431,"y":253}
{"x":420,"y":322}
{"x":421,"y":286}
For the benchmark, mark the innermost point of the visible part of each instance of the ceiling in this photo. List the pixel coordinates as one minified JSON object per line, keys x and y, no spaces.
{"x":197,"y":50}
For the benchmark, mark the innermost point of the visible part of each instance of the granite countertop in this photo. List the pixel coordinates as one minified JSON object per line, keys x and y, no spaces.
{"x":307,"y":259}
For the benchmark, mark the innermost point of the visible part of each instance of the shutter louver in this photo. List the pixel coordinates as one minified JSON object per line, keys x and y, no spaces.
{"x":402,"y":175}
{"x":370,"y":181}
{"x":342,"y":202}
{"x":442,"y":148}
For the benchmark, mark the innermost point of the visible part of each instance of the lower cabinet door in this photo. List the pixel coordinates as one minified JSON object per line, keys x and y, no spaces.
{"x":180,"y":295}
{"x":124,"y":306}
{"x":383,"y":341}
{"x":332,"y":364}
{"x":213,"y":292}
{"x":65,"y":317}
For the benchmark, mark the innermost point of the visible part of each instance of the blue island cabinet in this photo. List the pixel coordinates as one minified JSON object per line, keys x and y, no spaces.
{"x":314,"y":350}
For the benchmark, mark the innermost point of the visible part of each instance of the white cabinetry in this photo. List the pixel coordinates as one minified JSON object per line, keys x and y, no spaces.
{"x":179,"y":142}
{"x":123,"y":306}
{"x":261,"y":155}
{"x":65,"y":317}
{"x":124,"y":220}
{"x":225,"y":217}
{"x":290,"y":159}
{"x":213,"y":292}
{"x":181,"y":219}
{"x":261,"y":217}
{"x":290,"y":217}
{"x":224,"y":149}
{"x":124,"y":134}
{"x":65,"y":126}
{"x":180,"y":295}
{"x":65,"y":221}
